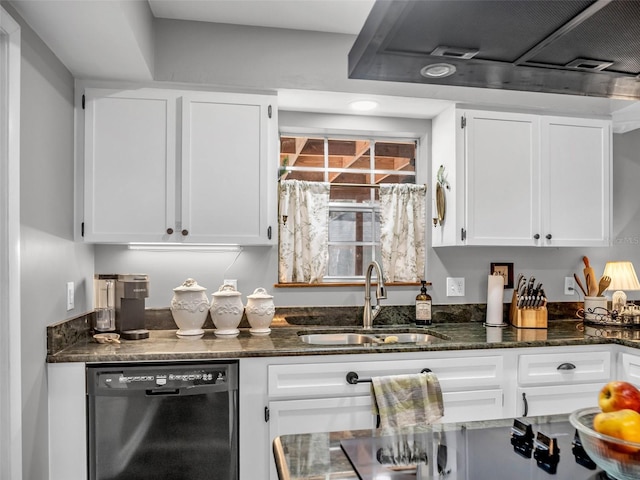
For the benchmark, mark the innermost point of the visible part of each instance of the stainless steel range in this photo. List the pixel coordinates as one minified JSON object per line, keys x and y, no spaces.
{"x":534,"y":449}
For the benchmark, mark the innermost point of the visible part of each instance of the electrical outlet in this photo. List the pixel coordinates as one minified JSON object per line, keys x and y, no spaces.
{"x":455,"y":286}
{"x":569,"y":285}
{"x":70,"y":296}
{"x":232,"y":282}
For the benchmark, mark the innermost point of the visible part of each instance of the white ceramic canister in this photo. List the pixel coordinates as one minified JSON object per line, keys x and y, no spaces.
{"x":226,"y":311}
{"x":189,"y":307}
{"x":260,"y":311}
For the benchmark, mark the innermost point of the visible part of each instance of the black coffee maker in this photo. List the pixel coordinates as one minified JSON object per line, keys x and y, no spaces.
{"x":131,"y":290}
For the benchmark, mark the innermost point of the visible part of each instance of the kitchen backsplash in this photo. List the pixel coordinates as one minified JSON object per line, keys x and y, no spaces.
{"x":72,"y":330}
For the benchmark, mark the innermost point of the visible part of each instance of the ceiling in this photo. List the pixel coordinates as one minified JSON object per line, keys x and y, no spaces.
{"x":332,"y":16}
{"x":113,"y":39}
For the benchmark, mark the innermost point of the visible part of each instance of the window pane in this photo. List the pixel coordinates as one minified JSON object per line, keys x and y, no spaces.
{"x":346,"y":226}
{"x":350,"y":261}
{"x":395,"y":157}
{"x":353,"y":194}
{"x":308,"y":176}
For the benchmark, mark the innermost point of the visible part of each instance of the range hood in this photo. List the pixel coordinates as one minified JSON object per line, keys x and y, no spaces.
{"x":581,"y":47}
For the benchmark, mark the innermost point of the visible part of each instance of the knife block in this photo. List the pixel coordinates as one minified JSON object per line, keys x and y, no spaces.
{"x":527,"y":317}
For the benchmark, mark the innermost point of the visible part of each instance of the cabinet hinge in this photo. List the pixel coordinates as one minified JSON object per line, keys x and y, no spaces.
{"x":83,"y":99}
{"x":266,"y":414}
{"x":270,"y":111}
{"x":463,"y":121}
{"x":463,"y":234}
{"x":82,"y":229}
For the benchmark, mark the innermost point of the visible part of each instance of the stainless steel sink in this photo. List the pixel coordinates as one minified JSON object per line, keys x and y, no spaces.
{"x":338,"y":339}
{"x":409,"y":338}
{"x":350,"y":338}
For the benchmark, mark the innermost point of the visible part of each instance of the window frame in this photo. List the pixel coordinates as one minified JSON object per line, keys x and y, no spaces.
{"x":371,"y":172}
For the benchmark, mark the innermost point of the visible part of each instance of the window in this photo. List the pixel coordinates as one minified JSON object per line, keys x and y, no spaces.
{"x":354,"y":168}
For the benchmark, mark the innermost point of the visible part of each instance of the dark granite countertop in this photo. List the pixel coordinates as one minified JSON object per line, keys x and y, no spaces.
{"x":283,"y":340}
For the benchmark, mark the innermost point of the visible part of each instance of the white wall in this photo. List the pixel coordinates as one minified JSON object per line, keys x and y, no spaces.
{"x":257,"y":266}
{"x":198,"y":53}
{"x":49,"y":257}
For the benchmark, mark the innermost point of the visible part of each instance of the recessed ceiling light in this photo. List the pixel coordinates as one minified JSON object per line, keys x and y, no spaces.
{"x":438,"y":70}
{"x":363,"y":105}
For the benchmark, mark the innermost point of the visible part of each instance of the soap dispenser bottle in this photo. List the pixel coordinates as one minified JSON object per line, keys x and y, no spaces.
{"x":423,"y":306}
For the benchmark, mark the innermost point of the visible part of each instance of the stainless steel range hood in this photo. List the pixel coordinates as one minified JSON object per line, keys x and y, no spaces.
{"x":581,"y":47}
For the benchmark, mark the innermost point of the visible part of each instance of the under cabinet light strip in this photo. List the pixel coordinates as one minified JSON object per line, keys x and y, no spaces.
{"x":184,"y":247}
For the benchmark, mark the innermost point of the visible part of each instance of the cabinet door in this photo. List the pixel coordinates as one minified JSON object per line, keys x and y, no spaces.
{"x":129,"y":178}
{"x":320,"y":415}
{"x":557,"y":399}
{"x":629,"y":368}
{"x":226,"y":190}
{"x":576,"y":195}
{"x":502,"y":178}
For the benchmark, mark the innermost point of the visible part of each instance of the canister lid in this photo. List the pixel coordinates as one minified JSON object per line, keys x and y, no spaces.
{"x":226,"y":291}
{"x":260,"y":293}
{"x":189,"y":285}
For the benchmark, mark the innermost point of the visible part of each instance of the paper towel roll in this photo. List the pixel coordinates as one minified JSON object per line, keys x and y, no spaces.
{"x":495,"y":295}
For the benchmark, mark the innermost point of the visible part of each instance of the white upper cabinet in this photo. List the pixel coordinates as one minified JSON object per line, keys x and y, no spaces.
{"x":522,"y":179}
{"x":179,"y":166}
{"x":576,"y":182}
{"x":129,"y":165}
{"x":503,"y":177}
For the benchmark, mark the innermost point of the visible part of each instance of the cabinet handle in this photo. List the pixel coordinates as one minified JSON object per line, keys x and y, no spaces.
{"x":536,"y":236}
{"x":185,"y":232}
{"x":566,"y":366}
{"x":548,"y":237}
{"x":170,"y":231}
{"x":269,"y":232}
{"x":526,"y":404}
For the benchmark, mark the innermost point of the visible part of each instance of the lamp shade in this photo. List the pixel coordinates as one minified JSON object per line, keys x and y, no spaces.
{"x":623,"y":276}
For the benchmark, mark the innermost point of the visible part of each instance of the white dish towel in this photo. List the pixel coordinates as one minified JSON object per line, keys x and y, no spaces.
{"x":407,"y":400}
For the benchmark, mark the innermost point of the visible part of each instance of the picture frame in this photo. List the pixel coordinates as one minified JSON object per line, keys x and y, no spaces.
{"x":504,"y":269}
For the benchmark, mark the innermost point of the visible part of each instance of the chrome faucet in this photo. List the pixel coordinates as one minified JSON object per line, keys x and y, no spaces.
{"x":369,"y":314}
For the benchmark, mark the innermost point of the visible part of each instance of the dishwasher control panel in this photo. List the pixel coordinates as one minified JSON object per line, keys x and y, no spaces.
{"x":165,"y":377}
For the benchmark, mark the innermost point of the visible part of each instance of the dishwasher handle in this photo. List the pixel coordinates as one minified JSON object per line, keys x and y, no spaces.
{"x":162,"y":392}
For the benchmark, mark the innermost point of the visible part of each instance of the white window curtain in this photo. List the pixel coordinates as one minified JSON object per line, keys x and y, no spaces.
{"x":304,"y":231}
{"x":403,"y":212}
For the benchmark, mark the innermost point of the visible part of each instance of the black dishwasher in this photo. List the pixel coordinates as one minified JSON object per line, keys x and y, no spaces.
{"x":175,"y":421}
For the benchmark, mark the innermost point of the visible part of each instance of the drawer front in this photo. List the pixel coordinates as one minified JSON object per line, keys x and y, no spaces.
{"x":564,"y":368}
{"x":329,"y":379}
{"x":557,"y":399}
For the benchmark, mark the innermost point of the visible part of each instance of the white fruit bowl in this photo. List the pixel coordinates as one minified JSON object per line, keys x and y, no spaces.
{"x":619,"y":458}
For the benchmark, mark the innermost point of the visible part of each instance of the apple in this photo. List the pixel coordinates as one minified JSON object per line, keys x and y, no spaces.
{"x":618,"y":395}
{"x":623,"y":424}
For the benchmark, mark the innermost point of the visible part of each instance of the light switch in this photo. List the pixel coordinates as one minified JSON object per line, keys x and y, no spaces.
{"x":455,"y":286}
{"x":70,"y":296}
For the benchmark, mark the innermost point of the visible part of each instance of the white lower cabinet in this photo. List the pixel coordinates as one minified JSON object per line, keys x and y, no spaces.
{"x":556,"y":399}
{"x":315,"y":396}
{"x":285,"y":395}
{"x":629,"y":368}
{"x":67,"y":421}
{"x":561,"y":380}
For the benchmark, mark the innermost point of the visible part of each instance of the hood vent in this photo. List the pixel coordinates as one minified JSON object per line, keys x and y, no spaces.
{"x":580,"y":47}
